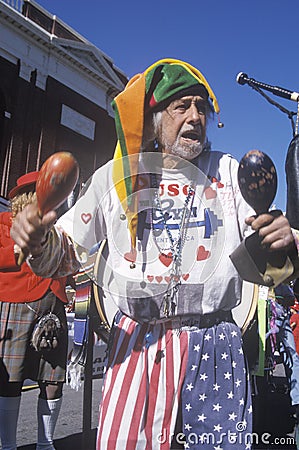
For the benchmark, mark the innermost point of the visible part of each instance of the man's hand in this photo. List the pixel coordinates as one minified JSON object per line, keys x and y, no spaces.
{"x":275,"y":232}
{"x":29,"y":230}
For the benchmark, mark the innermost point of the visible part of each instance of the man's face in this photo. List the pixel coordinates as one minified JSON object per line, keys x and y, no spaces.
{"x":182,"y":130}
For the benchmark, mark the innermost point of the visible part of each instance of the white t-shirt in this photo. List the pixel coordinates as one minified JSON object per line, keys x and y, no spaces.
{"x":213,"y":228}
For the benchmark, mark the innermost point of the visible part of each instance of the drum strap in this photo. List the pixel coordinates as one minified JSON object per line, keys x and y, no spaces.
{"x":81,"y":324}
{"x":262,"y":325}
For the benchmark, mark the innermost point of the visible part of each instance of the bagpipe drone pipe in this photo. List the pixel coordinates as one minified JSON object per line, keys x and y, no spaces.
{"x":292,"y":179}
{"x":292,"y":157}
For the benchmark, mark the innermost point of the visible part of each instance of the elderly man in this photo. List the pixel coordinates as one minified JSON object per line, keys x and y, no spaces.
{"x":171,"y":212}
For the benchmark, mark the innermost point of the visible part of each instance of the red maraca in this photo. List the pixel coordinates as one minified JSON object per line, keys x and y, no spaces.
{"x":58,"y":177}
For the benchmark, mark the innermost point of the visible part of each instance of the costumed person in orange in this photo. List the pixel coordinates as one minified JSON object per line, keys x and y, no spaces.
{"x":294,"y":319}
{"x":24,"y":299}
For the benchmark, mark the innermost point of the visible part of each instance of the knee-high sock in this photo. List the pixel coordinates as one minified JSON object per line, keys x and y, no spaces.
{"x":9,"y":413}
{"x":47,"y":415}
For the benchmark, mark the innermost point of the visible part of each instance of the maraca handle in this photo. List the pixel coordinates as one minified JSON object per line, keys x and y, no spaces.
{"x":22,"y":257}
{"x":277,"y":258}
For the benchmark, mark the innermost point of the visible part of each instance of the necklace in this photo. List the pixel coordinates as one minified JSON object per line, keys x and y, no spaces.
{"x":176,"y":245}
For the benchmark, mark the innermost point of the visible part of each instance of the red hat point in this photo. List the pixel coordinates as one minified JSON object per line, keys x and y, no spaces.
{"x":23,"y":184}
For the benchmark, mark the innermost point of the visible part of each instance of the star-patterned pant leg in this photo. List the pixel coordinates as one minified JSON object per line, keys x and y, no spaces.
{"x":216,"y":398}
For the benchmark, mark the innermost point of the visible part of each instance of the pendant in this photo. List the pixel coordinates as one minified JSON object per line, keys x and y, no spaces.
{"x":166,"y":299}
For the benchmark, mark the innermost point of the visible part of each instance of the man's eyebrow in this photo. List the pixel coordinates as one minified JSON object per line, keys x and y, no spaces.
{"x":181,"y":100}
{"x":201,"y":102}
{"x":189,"y":99}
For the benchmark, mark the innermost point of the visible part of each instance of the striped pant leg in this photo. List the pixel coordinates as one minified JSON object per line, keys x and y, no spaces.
{"x":142,"y":387}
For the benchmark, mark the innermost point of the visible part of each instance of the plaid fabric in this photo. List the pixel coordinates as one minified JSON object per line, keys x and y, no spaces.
{"x":18,"y":360}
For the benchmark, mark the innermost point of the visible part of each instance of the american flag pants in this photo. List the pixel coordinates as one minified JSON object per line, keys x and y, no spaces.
{"x":157,"y":373}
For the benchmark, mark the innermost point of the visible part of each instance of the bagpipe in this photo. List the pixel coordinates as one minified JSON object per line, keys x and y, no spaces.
{"x":292,"y":157}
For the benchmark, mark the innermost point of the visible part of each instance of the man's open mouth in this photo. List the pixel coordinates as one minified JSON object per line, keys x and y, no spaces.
{"x":191,"y":135}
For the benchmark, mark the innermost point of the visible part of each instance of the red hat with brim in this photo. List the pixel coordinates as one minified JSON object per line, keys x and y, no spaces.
{"x":24,"y":184}
{"x":295,"y":306}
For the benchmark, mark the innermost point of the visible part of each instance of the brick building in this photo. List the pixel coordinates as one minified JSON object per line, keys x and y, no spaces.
{"x":56,"y":90}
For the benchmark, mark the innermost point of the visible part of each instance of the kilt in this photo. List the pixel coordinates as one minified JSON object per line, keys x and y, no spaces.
{"x":18,"y":359}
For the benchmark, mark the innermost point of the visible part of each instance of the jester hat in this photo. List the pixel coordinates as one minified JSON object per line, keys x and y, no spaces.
{"x":153,"y":88}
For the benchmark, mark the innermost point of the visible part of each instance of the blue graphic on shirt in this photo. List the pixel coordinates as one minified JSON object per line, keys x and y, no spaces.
{"x":211,"y":222}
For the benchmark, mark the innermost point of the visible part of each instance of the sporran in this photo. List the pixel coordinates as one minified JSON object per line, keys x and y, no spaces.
{"x":45,"y":334}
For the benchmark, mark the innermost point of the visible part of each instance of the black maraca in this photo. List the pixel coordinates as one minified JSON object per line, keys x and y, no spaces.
{"x":257,"y":180}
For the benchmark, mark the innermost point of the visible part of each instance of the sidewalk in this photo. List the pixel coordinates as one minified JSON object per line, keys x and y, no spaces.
{"x":272,"y":418}
{"x":68,"y":432}
{"x":273,"y":415}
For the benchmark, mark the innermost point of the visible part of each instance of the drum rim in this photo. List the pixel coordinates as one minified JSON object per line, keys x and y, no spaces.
{"x":252,"y":309}
{"x":99,"y":303}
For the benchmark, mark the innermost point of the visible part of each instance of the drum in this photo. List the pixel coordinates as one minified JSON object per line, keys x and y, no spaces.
{"x":105,"y":305}
{"x":243,"y":314}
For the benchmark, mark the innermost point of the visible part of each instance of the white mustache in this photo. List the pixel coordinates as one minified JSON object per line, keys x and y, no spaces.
{"x":190,"y":128}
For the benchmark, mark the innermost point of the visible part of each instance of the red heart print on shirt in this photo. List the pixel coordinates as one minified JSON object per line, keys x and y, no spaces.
{"x":131,"y":256}
{"x":210,"y":193}
{"x":166,"y":259}
{"x":86,"y":217}
{"x":202,"y":253}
